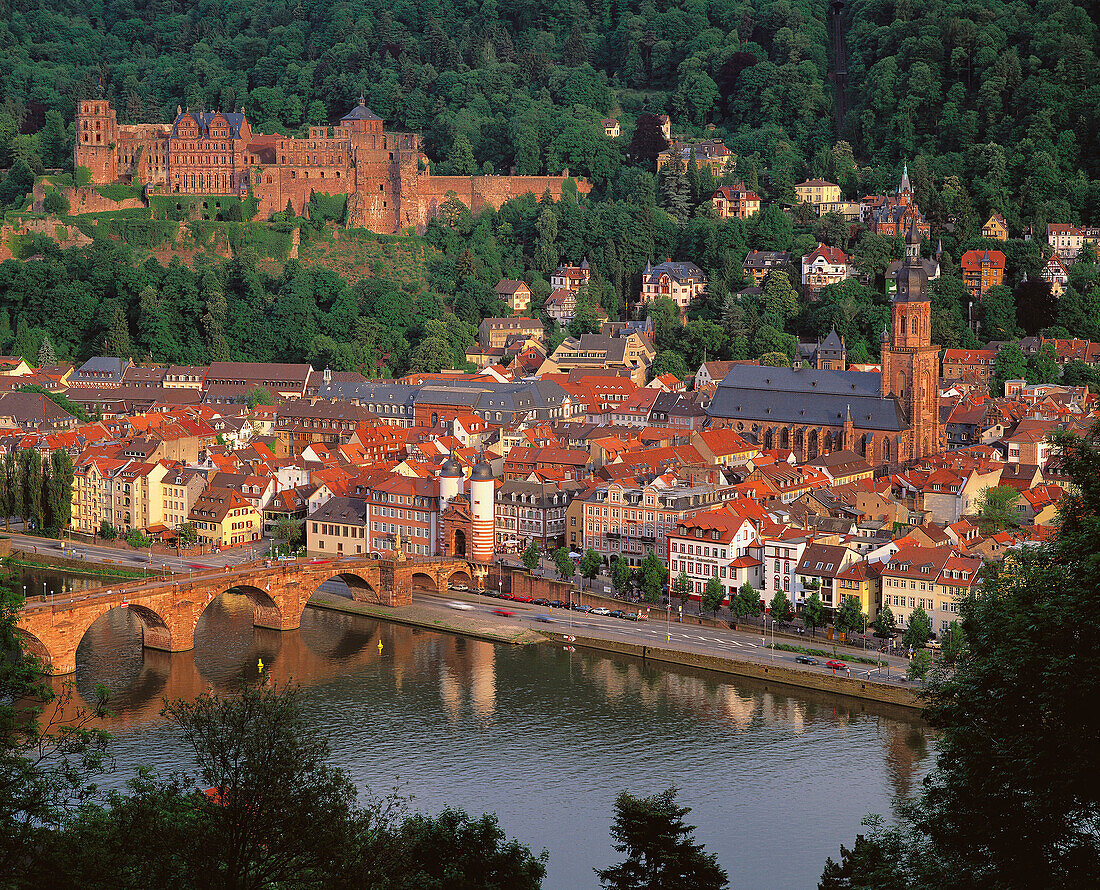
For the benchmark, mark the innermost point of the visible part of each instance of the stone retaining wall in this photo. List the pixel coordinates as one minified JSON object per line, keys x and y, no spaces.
{"x":852,"y":687}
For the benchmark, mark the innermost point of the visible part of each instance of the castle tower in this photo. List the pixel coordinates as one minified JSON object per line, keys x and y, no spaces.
{"x":450,"y":481}
{"x":97,"y":140}
{"x":483,"y":525}
{"x":910,"y":363}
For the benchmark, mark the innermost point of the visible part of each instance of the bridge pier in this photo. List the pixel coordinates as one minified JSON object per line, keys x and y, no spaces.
{"x":286,"y":617}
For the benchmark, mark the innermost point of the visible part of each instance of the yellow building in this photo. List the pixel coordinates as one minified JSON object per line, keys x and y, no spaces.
{"x":862,"y":580}
{"x":817,"y":192}
{"x":995,"y":228}
{"x":223,"y":517}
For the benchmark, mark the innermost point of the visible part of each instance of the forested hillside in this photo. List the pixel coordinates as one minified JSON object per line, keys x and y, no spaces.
{"x":993,"y":105}
{"x":1003,"y":95}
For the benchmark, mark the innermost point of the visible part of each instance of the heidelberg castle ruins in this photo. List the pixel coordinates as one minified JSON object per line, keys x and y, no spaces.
{"x":387,"y":179}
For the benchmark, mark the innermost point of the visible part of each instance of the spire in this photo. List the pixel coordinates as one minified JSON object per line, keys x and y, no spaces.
{"x":362,"y":101}
{"x":905,"y":184}
{"x":912,"y":243}
{"x":939,"y":249}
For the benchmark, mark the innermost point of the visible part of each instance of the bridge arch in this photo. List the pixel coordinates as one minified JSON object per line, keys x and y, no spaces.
{"x":34,"y":646}
{"x":424,"y":580}
{"x":459,"y":575}
{"x":362,"y":590}
{"x":266,"y":611}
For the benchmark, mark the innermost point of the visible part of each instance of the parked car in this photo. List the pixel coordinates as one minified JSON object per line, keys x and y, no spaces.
{"x":836,"y":665}
{"x":806,"y":659}
{"x":521,"y":599}
{"x":558,"y":604}
{"x":600,"y":610}
{"x":577,"y":607}
{"x":541,"y":602}
{"x":618,"y":613}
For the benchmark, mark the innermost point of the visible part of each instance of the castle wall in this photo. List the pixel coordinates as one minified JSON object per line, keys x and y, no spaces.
{"x":378,"y":171}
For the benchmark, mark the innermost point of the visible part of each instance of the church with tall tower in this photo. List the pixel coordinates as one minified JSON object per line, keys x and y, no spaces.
{"x":891,"y":418}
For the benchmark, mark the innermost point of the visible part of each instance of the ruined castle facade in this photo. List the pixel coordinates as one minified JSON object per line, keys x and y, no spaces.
{"x":387,"y":179}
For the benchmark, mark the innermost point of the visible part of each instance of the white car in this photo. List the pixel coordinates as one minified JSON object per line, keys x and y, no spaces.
{"x":462,"y":607}
{"x":600,"y":610}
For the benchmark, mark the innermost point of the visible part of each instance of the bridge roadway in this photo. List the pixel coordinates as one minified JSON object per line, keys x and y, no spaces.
{"x":169,"y":607}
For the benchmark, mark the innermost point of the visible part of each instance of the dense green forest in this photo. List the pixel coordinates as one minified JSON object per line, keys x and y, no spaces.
{"x":991,"y":104}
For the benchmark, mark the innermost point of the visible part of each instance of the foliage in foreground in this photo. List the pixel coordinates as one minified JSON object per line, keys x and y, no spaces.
{"x":661,"y":853}
{"x":277,"y":814}
{"x":1011,"y":802}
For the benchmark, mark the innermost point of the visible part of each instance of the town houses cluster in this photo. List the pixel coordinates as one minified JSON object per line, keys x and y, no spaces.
{"x":581,"y":449}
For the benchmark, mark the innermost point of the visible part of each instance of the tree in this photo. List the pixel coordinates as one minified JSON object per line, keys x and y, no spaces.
{"x":952,"y":642}
{"x":117,"y":343}
{"x":188,"y":534}
{"x":775,"y":360}
{"x":564,"y":564}
{"x":885,"y":622}
{"x":531,"y":556}
{"x":280,"y":810}
{"x":259,"y":396}
{"x":780,"y":608}
{"x":1010,"y":364}
{"x":591,"y":563}
{"x":813,"y":613}
{"x":46,"y":356}
{"x":714,"y":594}
{"x":747,"y":604}
{"x":139,"y":540}
{"x":462,"y":157}
{"x":1043,"y":366}
{"x":107,"y":531}
{"x":452,"y":849}
{"x":647,"y":141}
{"x":918,"y":630}
{"x":621,"y":575}
{"x":45,"y":765}
{"x":779,"y":299}
{"x":996,"y":507}
{"x":651,"y":578}
{"x":30,"y":487}
{"x":919,"y":665}
{"x":661,"y":853}
{"x":849,"y":617}
{"x":288,"y":530}
{"x":681,"y":587}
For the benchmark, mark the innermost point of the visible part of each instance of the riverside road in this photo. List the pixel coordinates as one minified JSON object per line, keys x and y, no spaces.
{"x":657,"y":632}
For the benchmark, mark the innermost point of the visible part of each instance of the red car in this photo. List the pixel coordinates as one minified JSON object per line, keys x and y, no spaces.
{"x":521,"y":599}
{"x":504,"y":613}
{"x":836,"y":665}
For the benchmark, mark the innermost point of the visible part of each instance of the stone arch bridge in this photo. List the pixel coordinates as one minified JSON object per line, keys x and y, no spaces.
{"x":169,"y":608}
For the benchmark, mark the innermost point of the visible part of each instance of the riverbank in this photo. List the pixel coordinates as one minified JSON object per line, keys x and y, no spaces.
{"x":479,"y":627}
{"x":849,"y":687}
{"x":431,"y":619}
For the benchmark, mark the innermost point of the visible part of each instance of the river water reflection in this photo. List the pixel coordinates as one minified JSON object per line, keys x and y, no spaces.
{"x":777,"y":779}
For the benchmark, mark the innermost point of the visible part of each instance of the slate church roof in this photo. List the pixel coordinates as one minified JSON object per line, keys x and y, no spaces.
{"x":804,"y":397}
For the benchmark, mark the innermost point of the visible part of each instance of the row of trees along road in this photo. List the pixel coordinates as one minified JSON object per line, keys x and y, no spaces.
{"x":39,"y":491}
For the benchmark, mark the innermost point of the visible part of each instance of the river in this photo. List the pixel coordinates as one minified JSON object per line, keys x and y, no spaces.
{"x":777,"y":778}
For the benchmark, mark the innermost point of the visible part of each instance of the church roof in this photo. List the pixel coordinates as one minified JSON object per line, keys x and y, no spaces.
{"x":361,"y":113}
{"x":832,"y":341}
{"x":804,"y":397}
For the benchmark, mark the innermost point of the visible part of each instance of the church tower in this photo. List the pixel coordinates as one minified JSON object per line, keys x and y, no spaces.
{"x":910,"y":362}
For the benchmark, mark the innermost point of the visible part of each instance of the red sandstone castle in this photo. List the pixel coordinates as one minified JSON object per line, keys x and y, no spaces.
{"x":387,"y":179}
